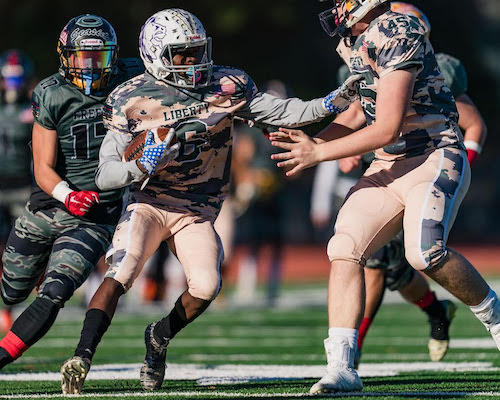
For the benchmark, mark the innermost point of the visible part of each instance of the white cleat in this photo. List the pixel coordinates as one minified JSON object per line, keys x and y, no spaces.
{"x":338,"y":380}
{"x":495,"y":334}
{"x":340,"y":374}
{"x":73,"y":374}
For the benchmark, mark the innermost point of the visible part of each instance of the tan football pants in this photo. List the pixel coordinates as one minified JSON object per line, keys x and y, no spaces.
{"x":420,"y":194}
{"x":190,"y":237}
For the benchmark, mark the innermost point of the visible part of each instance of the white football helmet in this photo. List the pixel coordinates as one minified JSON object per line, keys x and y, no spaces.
{"x":352,"y":11}
{"x":173,"y":31}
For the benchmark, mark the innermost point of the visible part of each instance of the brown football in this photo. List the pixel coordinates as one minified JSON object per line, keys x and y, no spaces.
{"x":135,"y":147}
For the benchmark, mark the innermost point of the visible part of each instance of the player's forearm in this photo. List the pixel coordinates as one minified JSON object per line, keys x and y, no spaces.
{"x":360,"y":142}
{"x":46,"y":177}
{"x":293,"y":112}
{"x":112,"y":172}
{"x":346,"y":123}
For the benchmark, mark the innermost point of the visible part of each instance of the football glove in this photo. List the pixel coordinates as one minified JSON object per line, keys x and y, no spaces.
{"x":79,"y":203}
{"x":155,"y":156}
{"x":340,"y":99}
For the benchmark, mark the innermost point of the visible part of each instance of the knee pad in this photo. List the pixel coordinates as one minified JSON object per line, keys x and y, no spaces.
{"x":11,"y":296}
{"x":57,"y":288}
{"x":342,"y":246}
{"x":205,"y":290}
{"x":426,"y":260}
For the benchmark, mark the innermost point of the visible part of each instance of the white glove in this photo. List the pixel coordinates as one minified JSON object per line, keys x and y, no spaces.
{"x":340,"y":99}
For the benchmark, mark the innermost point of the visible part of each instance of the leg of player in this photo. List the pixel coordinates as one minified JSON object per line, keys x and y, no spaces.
{"x":439,"y":312}
{"x":375,"y":288}
{"x":199,"y":249}
{"x":425,"y":248}
{"x":126,"y":258}
{"x":25,"y":261}
{"x":359,"y":231}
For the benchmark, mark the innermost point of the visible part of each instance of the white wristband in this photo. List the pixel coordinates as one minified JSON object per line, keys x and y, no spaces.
{"x":61,"y":191}
{"x":471,"y":145}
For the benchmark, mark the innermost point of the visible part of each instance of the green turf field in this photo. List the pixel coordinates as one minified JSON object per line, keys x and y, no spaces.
{"x":250,"y":353}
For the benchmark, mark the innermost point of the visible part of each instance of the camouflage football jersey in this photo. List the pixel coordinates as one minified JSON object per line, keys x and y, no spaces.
{"x":198,"y":179}
{"x":58,"y":105}
{"x":16,"y":123}
{"x":396,"y":42}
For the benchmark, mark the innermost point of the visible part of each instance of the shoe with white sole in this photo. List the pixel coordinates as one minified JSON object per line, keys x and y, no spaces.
{"x":440,"y":338}
{"x":73,"y":374}
{"x":340,"y":373}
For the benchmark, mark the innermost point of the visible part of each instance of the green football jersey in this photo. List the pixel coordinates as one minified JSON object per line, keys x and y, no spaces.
{"x":58,"y":105}
{"x":16,"y":122}
{"x":455,"y":76}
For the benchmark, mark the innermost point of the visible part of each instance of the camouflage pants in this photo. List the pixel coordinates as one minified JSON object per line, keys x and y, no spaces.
{"x":391,"y":258}
{"x":56,"y":245}
{"x":420,"y":194}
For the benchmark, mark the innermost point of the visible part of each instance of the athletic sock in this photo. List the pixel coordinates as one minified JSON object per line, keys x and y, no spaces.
{"x":5,"y":357}
{"x":168,"y":327}
{"x":349,"y":333}
{"x":488,"y":311}
{"x":28,"y":328}
{"x":430,"y":305}
{"x":96,"y":323}
{"x":363,"y":330}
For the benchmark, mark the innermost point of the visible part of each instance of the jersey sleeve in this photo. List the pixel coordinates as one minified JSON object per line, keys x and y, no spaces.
{"x":113,"y":115}
{"x":401,"y":47}
{"x":454,"y":73}
{"x":41,"y":108}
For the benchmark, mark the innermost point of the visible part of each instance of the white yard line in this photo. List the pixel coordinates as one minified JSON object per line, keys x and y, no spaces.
{"x":248,"y":373}
{"x":235,"y":395}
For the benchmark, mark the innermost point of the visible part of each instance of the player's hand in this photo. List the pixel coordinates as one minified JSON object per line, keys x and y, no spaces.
{"x":340,"y":99}
{"x":79,"y":203}
{"x":157,"y":155}
{"x":302,"y":151}
{"x":349,"y":164}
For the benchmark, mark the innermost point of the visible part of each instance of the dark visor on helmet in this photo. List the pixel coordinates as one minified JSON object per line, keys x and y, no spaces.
{"x":331,"y":23}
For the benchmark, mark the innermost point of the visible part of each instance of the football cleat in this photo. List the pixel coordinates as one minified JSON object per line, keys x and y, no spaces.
{"x":340,"y":375}
{"x":440,"y":339}
{"x":153,"y":367}
{"x":73,"y":374}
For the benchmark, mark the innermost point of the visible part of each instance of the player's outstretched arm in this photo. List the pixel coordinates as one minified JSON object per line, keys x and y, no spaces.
{"x":112,"y":172}
{"x":395,"y":90}
{"x":471,"y":121}
{"x":293,"y":112}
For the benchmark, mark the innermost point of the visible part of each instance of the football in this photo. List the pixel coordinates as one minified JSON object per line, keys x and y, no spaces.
{"x":135,"y":147}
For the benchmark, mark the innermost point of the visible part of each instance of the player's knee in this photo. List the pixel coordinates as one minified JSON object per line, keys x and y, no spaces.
{"x":11,"y":296}
{"x":425,"y":260}
{"x":207,"y":289}
{"x":342,"y":246}
{"x":58,"y":291}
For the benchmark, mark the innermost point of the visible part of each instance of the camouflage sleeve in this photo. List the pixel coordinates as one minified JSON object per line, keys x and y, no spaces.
{"x":454,"y":73}
{"x":270,"y":110}
{"x":401,"y":52}
{"x":41,"y":113}
{"x":112,"y":173}
{"x":113,"y":117}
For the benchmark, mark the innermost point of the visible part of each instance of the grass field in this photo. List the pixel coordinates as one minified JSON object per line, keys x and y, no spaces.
{"x":262,"y":353}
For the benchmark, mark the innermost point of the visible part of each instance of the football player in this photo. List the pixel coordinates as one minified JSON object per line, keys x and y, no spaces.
{"x":16,"y":121}
{"x":68,"y":221}
{"x":416,"y":182}
{"x":184,"y":177}
{"x":389,"y":263}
